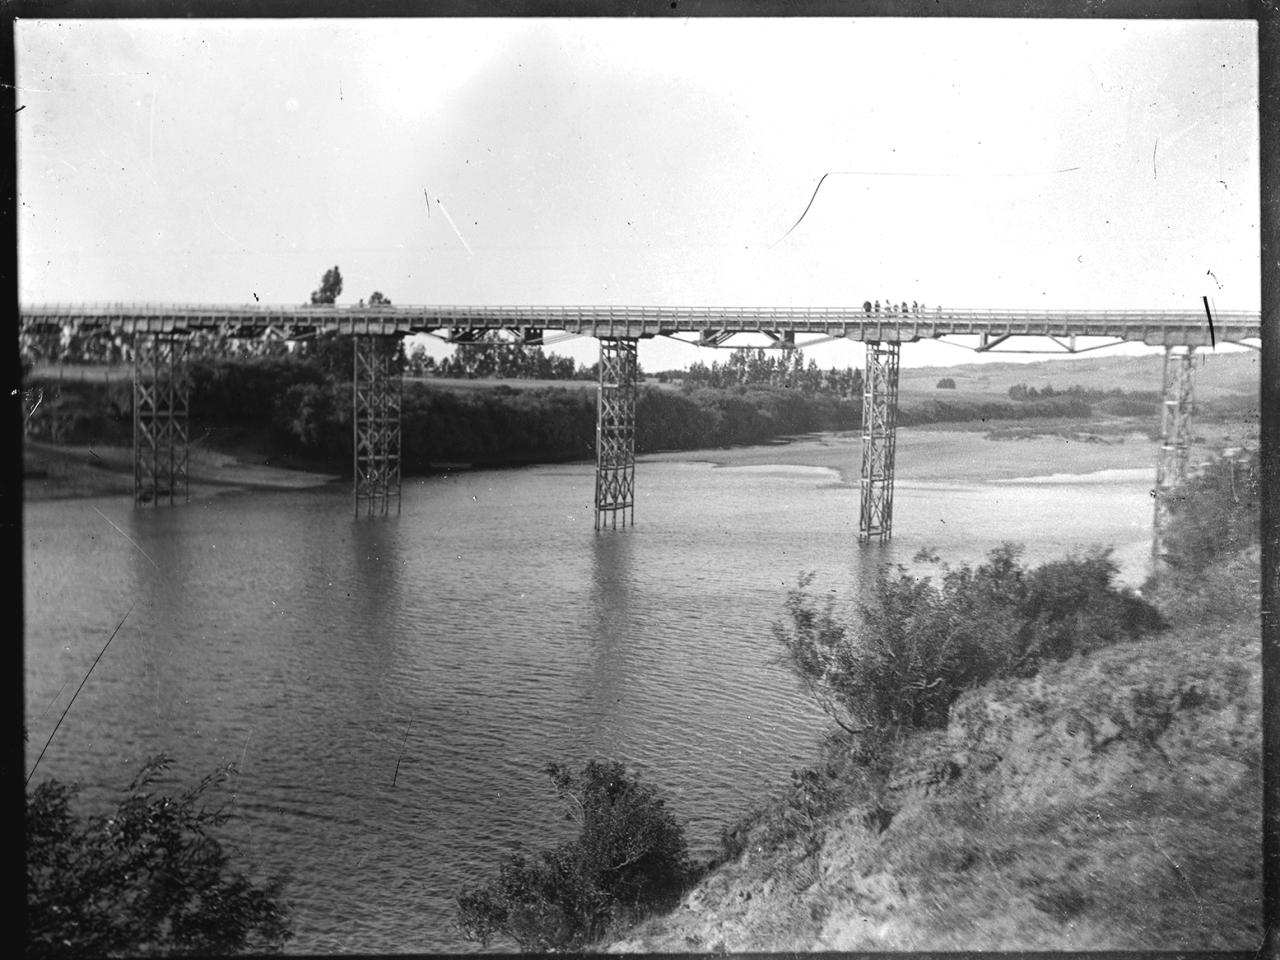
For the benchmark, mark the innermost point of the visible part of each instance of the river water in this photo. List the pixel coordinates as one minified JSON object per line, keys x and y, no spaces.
{"x":391,"y":691}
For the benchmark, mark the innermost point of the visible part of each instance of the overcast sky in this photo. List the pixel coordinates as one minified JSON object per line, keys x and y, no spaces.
{"x":1003,"y":163}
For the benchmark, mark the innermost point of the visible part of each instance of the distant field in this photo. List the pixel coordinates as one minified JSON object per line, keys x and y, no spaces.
{"x":1216,"y":374}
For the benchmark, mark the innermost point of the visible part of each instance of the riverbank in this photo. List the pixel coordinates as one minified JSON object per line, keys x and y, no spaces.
{"x":965,"y":452}
{"x":66,"y":471}
{"x":1111,"y":802}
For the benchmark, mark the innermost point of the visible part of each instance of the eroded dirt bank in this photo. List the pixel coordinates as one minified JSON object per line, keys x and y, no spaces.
{"x":1111,"y":802}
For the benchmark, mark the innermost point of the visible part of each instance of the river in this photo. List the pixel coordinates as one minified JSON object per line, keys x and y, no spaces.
{"x":391,"y":690}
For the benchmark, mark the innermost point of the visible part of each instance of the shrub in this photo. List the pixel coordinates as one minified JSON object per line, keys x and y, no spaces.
{"x":1215,"y":514}
{"x":630,"y":857}
{"x":1071,"y":606}
{"x":946,"y":383}
{"x":146,"y":879}
{"x":916,"y":644}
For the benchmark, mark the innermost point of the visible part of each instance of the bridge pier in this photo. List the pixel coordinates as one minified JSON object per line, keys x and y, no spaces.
{"x":1175,"y":439}
{"x":616,"y":433}
{"x":376,"y":394}
{"x":161,"y":398}
{"x":879,"y":439}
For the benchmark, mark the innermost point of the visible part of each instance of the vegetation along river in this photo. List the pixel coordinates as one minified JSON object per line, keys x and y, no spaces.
{"x":391,"y":690}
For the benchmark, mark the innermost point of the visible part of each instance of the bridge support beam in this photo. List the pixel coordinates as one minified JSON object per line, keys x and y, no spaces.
{"x":616,"y":433}
{"x":376,"y":393}
{"x":161,"y":395}
{"x":879,"y":438}
{"x":1175,"y":439}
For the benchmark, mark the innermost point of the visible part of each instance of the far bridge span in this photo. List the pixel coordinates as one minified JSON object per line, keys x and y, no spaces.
{"x":163,"y":335}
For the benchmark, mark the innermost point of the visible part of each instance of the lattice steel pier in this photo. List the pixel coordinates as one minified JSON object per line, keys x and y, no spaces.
{"x":616,"y":433}
{"x":1175,"y":439}
{"x":161,"y":393}
{"x":377,"y":393}
{"x":879,"y":439}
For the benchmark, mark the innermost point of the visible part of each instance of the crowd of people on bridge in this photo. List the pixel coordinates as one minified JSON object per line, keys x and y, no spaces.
{"x":895,"y":309}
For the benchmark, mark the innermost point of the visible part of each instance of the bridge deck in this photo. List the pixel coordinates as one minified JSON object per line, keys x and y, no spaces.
{"x":1155,"y":327}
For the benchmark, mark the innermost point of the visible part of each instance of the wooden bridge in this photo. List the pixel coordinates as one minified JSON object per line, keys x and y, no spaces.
{"x":712,"y":325}
{"x":162,"y":336}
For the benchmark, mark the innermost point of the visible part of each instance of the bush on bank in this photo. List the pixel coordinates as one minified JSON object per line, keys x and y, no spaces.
{"x":146,"y":879}
{"x":917,"y":643}
{"x":1215,"y":514}
{"x":629,"y":858}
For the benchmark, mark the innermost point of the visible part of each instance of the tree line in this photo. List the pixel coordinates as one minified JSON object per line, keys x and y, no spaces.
{"x":1021,"y":392}
{"x":301,"y":404}
{"x":770,"y":368}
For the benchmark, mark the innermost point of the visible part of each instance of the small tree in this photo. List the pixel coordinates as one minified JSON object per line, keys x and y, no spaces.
{"x":629,"y":857}
{"x":146,"y":879}
{"x":330,"y":287}
{"x":946,"y":383}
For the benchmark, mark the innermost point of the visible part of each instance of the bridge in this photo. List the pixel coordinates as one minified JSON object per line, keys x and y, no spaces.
{"x":163,"y":334}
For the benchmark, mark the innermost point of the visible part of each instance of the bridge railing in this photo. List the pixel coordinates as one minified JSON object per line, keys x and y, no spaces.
{"x":615,"y":320}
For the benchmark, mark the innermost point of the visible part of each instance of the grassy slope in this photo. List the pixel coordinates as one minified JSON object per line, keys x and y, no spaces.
{"x":1114,"y":802}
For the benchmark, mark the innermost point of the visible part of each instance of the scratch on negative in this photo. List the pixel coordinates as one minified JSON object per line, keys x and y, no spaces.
{"x":151,"y":130}
{"x":127,"y":537}
{"x":902,"y":173}
{"x":1177,"y":869}
{"x":807,"y":206}
{"x":216,"y":224}
{"x":240,"y":769}
{"x":458,"y":232}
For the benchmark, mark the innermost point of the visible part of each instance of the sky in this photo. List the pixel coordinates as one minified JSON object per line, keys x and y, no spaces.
{"x":970,"y":163}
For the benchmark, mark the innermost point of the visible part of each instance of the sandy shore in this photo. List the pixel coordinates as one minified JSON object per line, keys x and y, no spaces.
{"x":967,"y":452}
{"x":56,"y":471}
{"x":942,"y":454}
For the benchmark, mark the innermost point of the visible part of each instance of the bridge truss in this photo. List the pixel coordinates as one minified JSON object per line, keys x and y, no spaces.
{"x":377,"y":393}
{"x":1177,"y":404}
{"x":161,"y":397}
{"x":879,"y":440}
{"x":616,"y":433}
{"x":161,"y":331}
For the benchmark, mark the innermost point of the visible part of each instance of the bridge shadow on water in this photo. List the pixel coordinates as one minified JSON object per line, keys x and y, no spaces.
{"x":612,"y":635}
